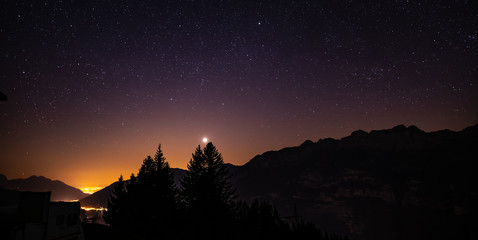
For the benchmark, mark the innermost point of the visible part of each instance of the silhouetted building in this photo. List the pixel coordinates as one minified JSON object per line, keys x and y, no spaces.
{"x":31,"y":216}
{"x":64,"y":221}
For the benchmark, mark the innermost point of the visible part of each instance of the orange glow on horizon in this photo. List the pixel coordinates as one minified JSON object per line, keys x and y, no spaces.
{"x":94,"y":209}
{"x":90,"y":190}
{"x":100,"y":163}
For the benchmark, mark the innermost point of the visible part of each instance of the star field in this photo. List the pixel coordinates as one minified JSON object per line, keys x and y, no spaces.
{"x":94,"y":86}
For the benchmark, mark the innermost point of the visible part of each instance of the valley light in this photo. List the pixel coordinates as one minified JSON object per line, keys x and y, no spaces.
{"x":94,"y":209}
{"x":90,"y":190}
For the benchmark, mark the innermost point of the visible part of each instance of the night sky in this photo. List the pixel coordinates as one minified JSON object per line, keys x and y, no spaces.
{"x":94,"y":86}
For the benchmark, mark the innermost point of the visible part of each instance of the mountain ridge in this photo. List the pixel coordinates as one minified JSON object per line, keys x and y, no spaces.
{"x":392,"y":172}
{"x":60,"y":191}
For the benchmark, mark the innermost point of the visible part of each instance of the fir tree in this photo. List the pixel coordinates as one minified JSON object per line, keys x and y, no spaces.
{"x":155,"y":197}
{"x":208,"y":194}
{"x":147,"y":206}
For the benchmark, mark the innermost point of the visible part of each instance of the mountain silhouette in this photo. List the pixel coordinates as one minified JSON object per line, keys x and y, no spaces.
{"x":382,"y":184}
{"x":59,"y":190}
{"x":399,"y":183}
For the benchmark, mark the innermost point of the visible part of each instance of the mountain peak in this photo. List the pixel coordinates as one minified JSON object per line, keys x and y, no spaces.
{"x":399,"y":128}
{"x":415,"y":129}
{"x":38,"y":177}
{"x":359,"y":133}
{"x":307,"y":143}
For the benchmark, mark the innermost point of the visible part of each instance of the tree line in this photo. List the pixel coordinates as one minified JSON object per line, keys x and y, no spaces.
{"x":150,"y":206}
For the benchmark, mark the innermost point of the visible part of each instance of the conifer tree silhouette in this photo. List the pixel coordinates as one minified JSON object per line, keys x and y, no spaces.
{"x":147,"y":206}
{"x":207,"y":194}
{"x":154,"y":197}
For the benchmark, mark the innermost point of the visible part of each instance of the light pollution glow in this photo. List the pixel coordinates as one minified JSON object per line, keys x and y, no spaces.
{"x":90,"y":190}
{"x":94,"y":209}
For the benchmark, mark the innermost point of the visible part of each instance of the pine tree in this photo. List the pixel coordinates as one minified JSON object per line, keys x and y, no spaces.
{"x":207,"y":193}
{"x":207,"y":179}
{"x":115,"y":213}
{"x":155,"y":197}
{"x":147,"y":170}
{"x":147,"y":206}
